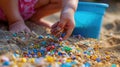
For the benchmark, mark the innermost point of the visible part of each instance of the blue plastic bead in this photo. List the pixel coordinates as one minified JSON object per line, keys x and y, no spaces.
{"x":73,"y":58}
{"x":56,"y":44}
{"x":16,"y":55}
{"x":40,"y":37}
{"x":35,"y":56}
{"x":6,"y":63}
{"x":35,"y":50}
{"x":29,"y":55}
{"x":38,"y":60}
{"x":59,"y":53}
{"x":73,"y":63}
{"x":85,"y":52}
{"x":88,"y":53}
{"x":43,"y":43}
{"x":15,"y":34}
{"x":63,"y":34}
{"x":113,"y":65}
{"x":83,"y":65}
{"x":29,"y":52}
{"x":87,"y":64}
{"x":48,"y":35}
{"x":42,"y":52}
{"x":49,"y":65}
{"x":66,"y":65}
{"x":98,"y":60}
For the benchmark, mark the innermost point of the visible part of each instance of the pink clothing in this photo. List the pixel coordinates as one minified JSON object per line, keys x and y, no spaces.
{"x":26,"y":8}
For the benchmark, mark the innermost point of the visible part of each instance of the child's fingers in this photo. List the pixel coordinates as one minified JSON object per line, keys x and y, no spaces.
{"x":60,"y":27}
{"x":58,"y":34}
{"x":14,"y":30}
{"x":55,"y":25}
{"x":27,"y":30}
{"x":68,"y":32}
{"x":62,"y":23}
{"x":56,"y":30}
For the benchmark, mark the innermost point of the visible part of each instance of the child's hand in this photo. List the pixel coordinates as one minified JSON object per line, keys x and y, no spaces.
{"x":19,"y":27}
{"x":66,"y":24}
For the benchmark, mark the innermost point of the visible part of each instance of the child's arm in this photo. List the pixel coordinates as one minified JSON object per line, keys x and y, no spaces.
{"x":69,"y":5}
{"x":67,"y":22}
{"x":11,"y":10}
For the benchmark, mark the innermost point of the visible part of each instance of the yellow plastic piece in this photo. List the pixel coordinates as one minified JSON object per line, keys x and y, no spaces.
{"x":32,"y":60}
{"x":69,"y":60}
{"x":24,"y":60}
{"x":99,"y":65}
{"x":20,"y":64}
{"x":108,"y":57}
{"x":50,"y":59}
{"x":93,"y":57}
{"x":39,"y":54}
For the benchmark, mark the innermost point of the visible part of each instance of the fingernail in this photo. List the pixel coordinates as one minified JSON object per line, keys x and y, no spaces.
{"x":58,"y":28}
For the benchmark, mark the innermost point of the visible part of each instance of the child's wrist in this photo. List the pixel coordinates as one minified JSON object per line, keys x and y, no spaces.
{"x":68,"y":10}
{"x":16,"y":21}
{"x":67,"y":13}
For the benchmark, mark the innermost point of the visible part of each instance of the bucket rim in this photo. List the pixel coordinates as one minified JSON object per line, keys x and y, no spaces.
{"x":94,"y":3}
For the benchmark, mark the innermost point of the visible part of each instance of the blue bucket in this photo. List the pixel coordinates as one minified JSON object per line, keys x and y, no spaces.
{"x":88,"y":19}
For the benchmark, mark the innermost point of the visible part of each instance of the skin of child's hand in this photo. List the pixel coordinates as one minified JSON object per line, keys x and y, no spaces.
{"x":19,"y":27}
{"x":65,"y":25}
